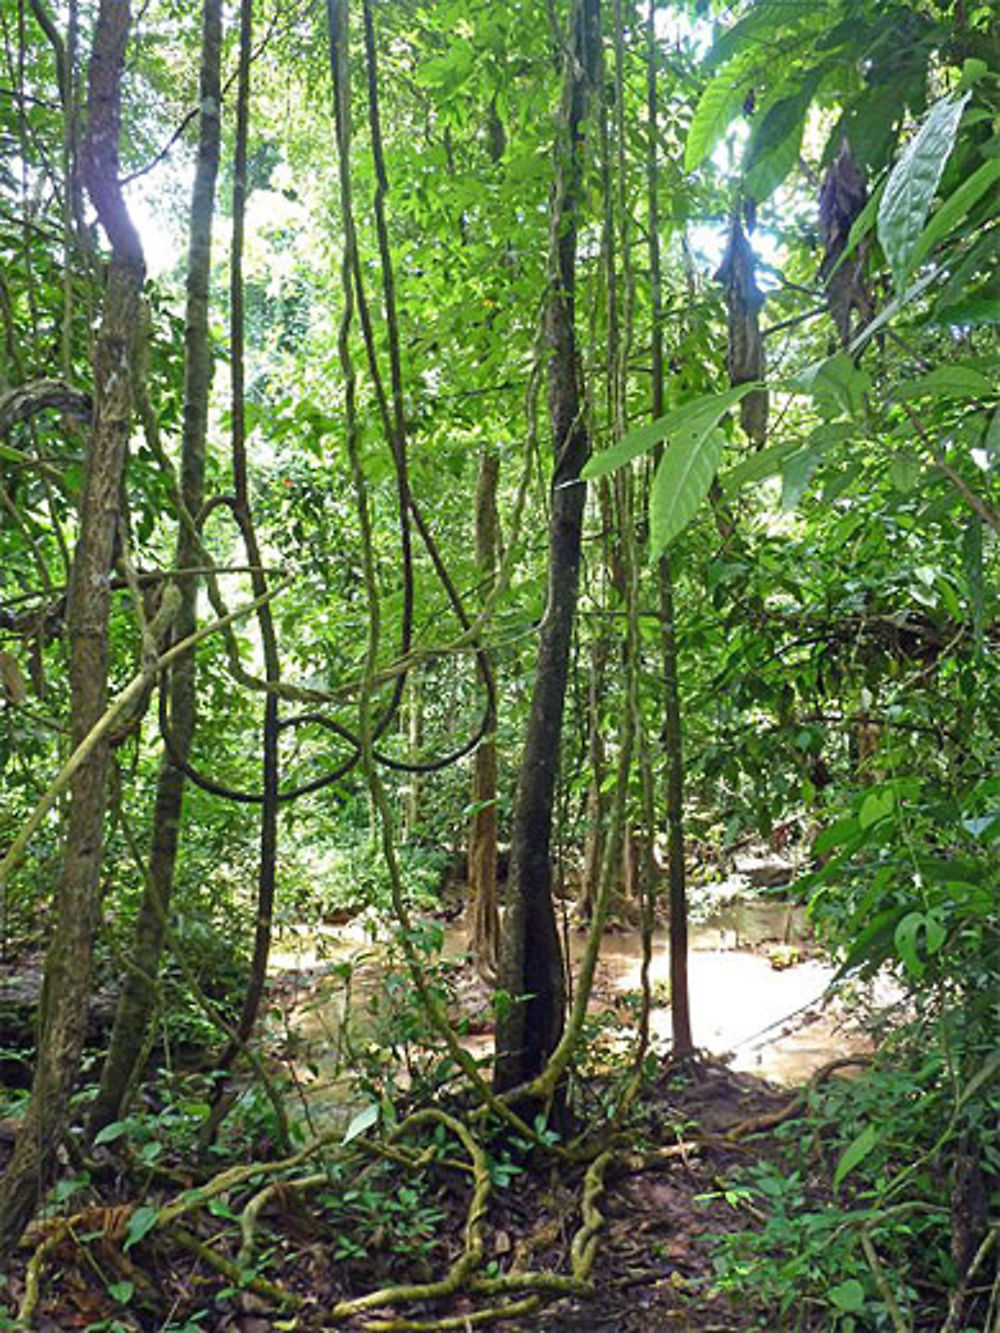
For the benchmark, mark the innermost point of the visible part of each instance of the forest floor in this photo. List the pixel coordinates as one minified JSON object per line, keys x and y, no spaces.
{"x":654,"y":1271}
{"x":664,"y":1210}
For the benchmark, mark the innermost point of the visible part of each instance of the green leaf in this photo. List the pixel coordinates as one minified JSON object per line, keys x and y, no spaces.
{"x":836,"y":384}
{"x":872,"y":947}
{"x":716,"y":107}
{"x":971,"y":312}
{"x":361,"y":1122}
{"x":776,"y":140}
{"x":954,"y":381}
{"x":763,"y":463}
{"x":935,"y":933}
{"x":848,"y":1296}
{"x":973,"y":70}
{"x":796,"y":474}
{"x":855,"y":1153}
{"x":904,"y":472}
{"x":840,"y":834}
{"x":140,"y":1223}
{"x":986,"y":1071}
{"x":695,"y":418}
{"x":121,"y":1292}
{"x":910,"y":189}
{"x":876,"y":806}
{"x":770,"y":169}
{"x":682,"y":481}
{"x":111,"y":1132}
{"x":905,"y":939}
{"x":954,"y":209}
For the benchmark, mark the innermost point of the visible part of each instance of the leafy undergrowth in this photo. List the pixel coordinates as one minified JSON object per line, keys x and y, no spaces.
{"x":720,"y":1201}
{"x":726,"y":1204}
{"x":358,"y":1230}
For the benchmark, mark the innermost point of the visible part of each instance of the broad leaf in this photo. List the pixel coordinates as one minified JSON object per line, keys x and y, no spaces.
{"x":906,"y":936}
{"x":111,"y":1132}
{"x":775,"y":143}
{"x":955,"y":381}
{"x":140,"y":1223}
{"x":855,"y":1153}
{"x":954,"y":209}
{"x":695,"y":418}
{"x":904,"y":472}
{"x":362,"y":1122}
{"x":972,"y":312}
{"x":764,"y":463}
{"x":910,"y":189}
{"x":681,"y":483}
{"x":717,"y":106}
{"x":876,"y":806}
{"x":796,"y":474}
{"x":837,"y":385}
{"x":848,"y":1296}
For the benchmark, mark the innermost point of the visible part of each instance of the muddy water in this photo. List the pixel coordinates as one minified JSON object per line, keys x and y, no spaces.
{"x":755,"y":994}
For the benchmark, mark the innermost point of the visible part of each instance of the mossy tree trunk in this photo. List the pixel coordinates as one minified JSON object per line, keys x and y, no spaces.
{"x":531,"y":966}
{"x":67,"y":982}
{"x":136,"y":1002}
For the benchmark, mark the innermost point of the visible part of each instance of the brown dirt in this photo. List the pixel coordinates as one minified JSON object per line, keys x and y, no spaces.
{"x":653,"y":1269}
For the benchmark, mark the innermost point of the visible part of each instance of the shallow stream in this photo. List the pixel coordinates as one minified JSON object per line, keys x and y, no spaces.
{"x":756,"y":994}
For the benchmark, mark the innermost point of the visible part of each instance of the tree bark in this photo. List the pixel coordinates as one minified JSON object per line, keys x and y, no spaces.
{"x":414,"y":719}
{"x":596,"y":763}
{"x":484,"y":928}
{"x":531,"y":966}
{"x":137,"y":997}
{"x":673,"y":736}
{"x":67,"y":981}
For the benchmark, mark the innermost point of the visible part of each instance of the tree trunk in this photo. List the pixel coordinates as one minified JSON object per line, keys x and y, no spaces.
{"x":414,"y":715}
{"x":531,"y":967}
{"x":680,"y":1004}
{"x":484,"y":928}
{"x":68,"y":965}
{"x":594,"y":837}
{"x":135,"y":1004}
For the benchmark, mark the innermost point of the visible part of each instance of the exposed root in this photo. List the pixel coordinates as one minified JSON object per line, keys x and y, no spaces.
{"x":762,"y":1124}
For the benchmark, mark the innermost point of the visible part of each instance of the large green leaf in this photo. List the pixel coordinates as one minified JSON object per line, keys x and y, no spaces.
{"x":695,"y":418}
{"x":763,"y":463}
{"x":855,"y":1153}
{"x":777,"y":138}
{"x":837,"y":385}
{"x":954,"y":209}
{"x":909,"y":191}
{"x":716,"y":107}
{"x":952,"y":381}
{"x":796,"y":474}
{"x":681,"y":483}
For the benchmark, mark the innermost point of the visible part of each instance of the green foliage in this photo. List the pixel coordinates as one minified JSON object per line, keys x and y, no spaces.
{"x":910,"y":189}
{"x":872,"y":1158}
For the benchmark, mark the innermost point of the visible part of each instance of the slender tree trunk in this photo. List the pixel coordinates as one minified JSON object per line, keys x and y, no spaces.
{"x":67,"y":982}
{"x":414,"y":715}
{"x":596,"y":763}
{"x":484,"y":929}
{"x":531,"y":967}
{"x":135,"y":1004}
{"x":680,"y":1004}
{"x":267,"y":861}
